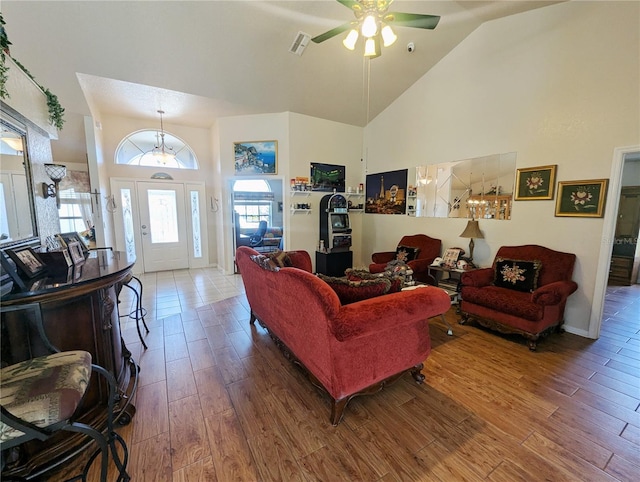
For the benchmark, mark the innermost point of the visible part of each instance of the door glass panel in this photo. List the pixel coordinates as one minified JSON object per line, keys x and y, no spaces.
{"x":195,"y":220}
{"x":163,"y":216}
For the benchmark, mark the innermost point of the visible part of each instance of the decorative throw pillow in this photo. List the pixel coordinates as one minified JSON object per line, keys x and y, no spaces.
{"x":354,"y":274}
{"x":280,"y":258}
{"x":264,"y":262}
{"x":406,"y":253}
{"x":352,"y":291}
{"x":517,"y":274}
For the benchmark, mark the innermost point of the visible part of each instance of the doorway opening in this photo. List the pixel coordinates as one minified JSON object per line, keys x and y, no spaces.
{"x":258,"y":215}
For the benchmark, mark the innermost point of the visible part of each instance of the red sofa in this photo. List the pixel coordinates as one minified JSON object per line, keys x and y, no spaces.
{"x":531,"y":313}
{"x":428,"y":250}
{"x":347,"y":350}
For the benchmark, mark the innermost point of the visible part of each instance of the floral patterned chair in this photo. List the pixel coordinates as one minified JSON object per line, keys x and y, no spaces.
{"x":524,"y":292}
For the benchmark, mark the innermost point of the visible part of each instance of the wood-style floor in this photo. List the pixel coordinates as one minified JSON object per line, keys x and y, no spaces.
{"x":218,"y":402}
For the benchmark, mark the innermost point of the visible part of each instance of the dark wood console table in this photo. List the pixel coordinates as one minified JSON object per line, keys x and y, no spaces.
{"x":77,"y":314}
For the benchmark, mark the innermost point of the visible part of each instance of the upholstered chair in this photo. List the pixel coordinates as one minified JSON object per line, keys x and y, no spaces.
{"x":418,"y":251}
{"x":524,"y":292}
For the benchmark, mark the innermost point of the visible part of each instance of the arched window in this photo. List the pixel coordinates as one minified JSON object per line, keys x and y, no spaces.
{"x":252,"y":200}
{"x":155,"y":149}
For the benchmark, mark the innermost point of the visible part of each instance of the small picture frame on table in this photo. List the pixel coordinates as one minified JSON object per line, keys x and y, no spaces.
{"x":73,"y":236}
{"x":450,"y":258}
{"x":9,"y":268}
{"x":75,"y":250}
{"x":27,"y":260}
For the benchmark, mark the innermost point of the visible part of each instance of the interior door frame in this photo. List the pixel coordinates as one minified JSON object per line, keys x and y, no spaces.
{"x":608,"y":235}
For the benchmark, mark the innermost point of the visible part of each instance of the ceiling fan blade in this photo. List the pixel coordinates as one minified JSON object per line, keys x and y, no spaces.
{"x":331,"y":33}
{"x":415,"y":20}
{"x":348,"y":3}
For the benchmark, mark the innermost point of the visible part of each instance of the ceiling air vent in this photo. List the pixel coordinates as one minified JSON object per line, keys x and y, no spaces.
{"x":299,"y":43}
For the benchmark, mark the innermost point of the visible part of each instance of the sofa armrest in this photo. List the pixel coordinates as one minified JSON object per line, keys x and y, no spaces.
{"x":477,"y":277}
{"x":300,"y":259}
{"x":373,"y":315}
{"x":553,"y":293}
{"x":383,"y":257}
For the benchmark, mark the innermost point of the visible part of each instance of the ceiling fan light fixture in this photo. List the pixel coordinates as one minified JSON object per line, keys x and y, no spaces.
{"x":351,"y":39}
{"x":372,"y":47}
{"x":369,"y":26}
{"x":388,"y":36}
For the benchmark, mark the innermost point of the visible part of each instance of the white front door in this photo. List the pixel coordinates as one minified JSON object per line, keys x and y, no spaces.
{"x":163,"y":227}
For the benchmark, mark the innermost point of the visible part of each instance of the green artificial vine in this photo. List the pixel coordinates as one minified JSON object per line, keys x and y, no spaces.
{"x":56,"y":111}
{"x":4,"y":47}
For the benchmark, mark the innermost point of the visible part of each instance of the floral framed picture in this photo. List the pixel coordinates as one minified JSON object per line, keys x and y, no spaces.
{"x":535,"y":183}
{"x":256,"y":158}
{"x":582,"y":198}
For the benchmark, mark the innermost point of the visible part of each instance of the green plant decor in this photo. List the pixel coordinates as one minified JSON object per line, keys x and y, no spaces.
{"x":4,"y":48}
{"x":56,"y":111}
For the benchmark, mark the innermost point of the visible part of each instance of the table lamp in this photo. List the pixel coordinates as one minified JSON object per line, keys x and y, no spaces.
{"x":472,"y":231}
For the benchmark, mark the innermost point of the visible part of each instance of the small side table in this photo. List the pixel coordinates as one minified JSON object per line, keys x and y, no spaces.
{"x":450,"y":283}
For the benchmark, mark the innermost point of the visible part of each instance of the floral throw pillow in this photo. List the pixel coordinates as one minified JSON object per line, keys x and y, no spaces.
{"x":517,"y":274}
{"x":352,"y":291}
{"x":280,"y":258}
{"x":406,"y":253}
{"x":264,"y":262}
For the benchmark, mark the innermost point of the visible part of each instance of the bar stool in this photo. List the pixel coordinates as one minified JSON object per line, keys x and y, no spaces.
{"x":139,"y":312}
{"x":39,"y":398}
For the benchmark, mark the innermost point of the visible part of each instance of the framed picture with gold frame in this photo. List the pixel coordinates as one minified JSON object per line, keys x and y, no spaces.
{"x":582,"y":198}
{"x":535,"y":183}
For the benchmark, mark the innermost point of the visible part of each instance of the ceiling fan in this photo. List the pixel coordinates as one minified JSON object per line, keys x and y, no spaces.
{"x":374,"y":21}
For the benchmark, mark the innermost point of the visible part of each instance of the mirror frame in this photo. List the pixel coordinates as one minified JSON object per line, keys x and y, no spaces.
{"x":10,"y":122}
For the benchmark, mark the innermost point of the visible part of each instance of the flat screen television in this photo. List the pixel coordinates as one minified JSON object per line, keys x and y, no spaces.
{"x":327,"y":177}
{"x":339,"y":221}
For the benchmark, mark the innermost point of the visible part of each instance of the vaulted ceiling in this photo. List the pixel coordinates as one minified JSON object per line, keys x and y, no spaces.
{"x":201,"y":60}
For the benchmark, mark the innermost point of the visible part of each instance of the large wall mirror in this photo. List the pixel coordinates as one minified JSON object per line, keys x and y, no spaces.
{"x":17,"y":215}
{"x":478,"y":188}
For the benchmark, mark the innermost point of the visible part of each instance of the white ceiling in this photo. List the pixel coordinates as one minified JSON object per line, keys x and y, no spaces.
{"x":201,"y":60}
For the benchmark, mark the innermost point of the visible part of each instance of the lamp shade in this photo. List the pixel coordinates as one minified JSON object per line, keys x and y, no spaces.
{"x":55,"y":171}
{"x":472,"y":230}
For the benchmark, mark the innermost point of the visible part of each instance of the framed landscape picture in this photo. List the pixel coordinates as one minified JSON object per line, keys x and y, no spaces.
{"x":256,"y":158}
{"x":535,"y":183}
{"x":581,"y":198}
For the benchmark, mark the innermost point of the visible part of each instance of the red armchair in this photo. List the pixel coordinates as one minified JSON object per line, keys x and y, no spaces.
{"x":533,"y":312}
{"x":428,"y":250}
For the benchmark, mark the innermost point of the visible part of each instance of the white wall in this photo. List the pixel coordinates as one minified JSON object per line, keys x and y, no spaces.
{"x":317,"y":140}
{"x":264,"y":127}
{"x":301,"y":141}
{"x":557,"y":85}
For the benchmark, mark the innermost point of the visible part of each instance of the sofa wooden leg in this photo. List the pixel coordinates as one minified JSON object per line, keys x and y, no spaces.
{"x":464,"y":317}
{"x":252,"y":320}
{"x":416,"y":373}
{"x":337,"y":409}
{"x":533,"y":344}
